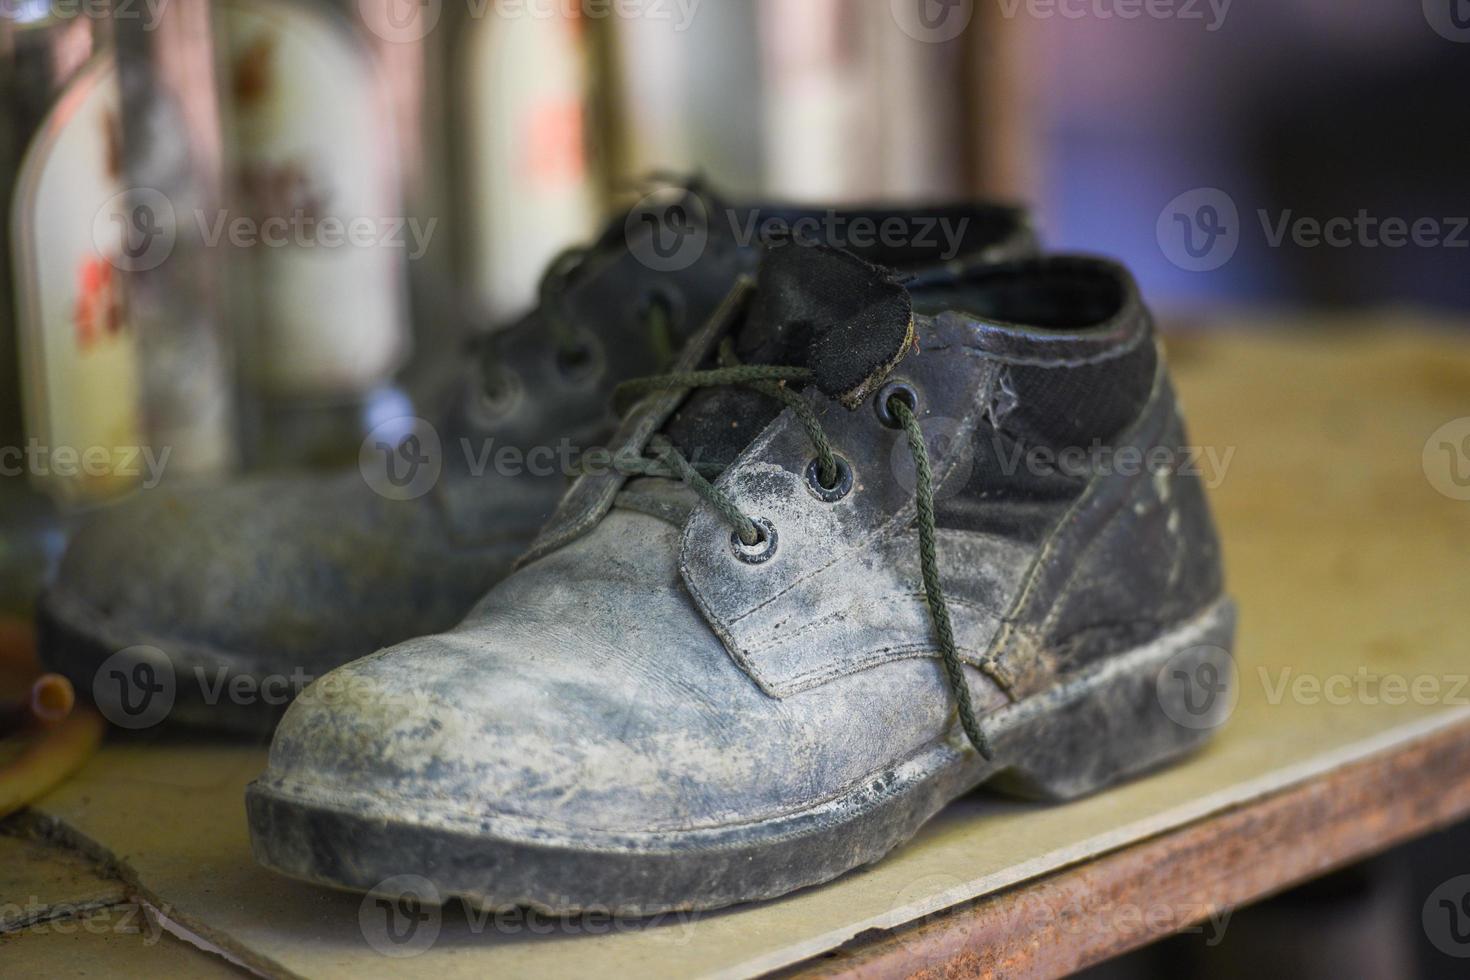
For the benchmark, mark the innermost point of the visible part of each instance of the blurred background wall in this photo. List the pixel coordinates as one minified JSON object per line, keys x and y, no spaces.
{"x":1301,"y":153}
{"x":1100,"y":113}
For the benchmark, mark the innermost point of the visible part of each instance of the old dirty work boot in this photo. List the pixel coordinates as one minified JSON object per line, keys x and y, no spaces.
{"x":215,"y":606}
{"x":865,"y":548}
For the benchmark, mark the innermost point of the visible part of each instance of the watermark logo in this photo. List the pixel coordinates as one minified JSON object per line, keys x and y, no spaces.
{"x":933,"y":21}
{"x":1199,"y":230}
{"x":402,"y":459}
{"x":1210,"y":13}
{"x":46,"y":917}
{"x":410,"y":21}
{"x":668,"y":230}
{"x":1449,"y":18}
{"x":69,"y":462}
{"x":1447,"y":459}
{"x":1364,"y":687}
{"x":401,"y":917}
{"x":1198,"y":688}
{"x":136,"y":230}
{"x":938,"y":236}
{"x":405,"y":915}
{"x":135,"y":688}
{"x":28,"y":11}
{"x":401,"y":21}
{"x":1363,"y":230}
{"x":306,"y":229}
{"x":1446,"y":917}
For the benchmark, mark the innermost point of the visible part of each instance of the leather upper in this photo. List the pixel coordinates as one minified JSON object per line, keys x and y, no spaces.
{"x":636,"y":677}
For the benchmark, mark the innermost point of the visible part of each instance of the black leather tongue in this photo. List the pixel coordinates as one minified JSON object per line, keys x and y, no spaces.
{"x":819,"y":307}
{"x":814,"y":306}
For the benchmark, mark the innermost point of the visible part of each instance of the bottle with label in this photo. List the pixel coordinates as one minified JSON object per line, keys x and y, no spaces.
{"x":114,"y":366}
{"x":528,"y":175}
{"x":68,"y":358}
{"x":318,"y":227}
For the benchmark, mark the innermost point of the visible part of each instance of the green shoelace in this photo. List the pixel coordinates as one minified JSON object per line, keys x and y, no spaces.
{"x":773,"y":381}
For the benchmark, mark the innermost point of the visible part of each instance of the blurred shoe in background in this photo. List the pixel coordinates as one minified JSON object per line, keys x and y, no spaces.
{"x":272,"y":580}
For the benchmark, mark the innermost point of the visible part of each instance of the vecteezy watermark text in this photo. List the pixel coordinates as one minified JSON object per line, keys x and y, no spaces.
{"x":138,"y":230}
{"x":941,"y":235}
{"x":403,"y":916}
{"x":1364,"y":687}
{"x":670,"y":229}
{"x":404,"y":459}
{"x":29,"y":11}
{"x":37,"y":917}
{"x":1210,"y":13}
{"x":410,"y":21}
{"x":305,"y":230}
{"x":139,"y":687}
{"x":1209,"y":463}
{"x":1201,"y":230}
{"x":67,"y":462}
{"x":1365,"y":230}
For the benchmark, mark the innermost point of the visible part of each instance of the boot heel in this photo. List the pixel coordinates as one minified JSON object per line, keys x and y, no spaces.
{"x":1129,"y":715}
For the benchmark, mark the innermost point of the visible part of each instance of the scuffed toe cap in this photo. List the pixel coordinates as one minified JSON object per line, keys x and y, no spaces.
{"x":441,"y":724}
{"x":586,"y":695}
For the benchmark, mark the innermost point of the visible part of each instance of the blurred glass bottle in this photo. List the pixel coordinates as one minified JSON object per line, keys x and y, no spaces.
{"x":506,"y":136}
{"x":113,"y":366}
{"x":51,"y":74}
{"x":321,"y":234}
{"x":865,"y":101}
{"x":529,"y":172}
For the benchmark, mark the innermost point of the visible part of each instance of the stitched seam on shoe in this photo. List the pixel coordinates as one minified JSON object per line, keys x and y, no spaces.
{"x":877,"y":656}
{"x":824,"y":620}
{"x":1002,"y":648}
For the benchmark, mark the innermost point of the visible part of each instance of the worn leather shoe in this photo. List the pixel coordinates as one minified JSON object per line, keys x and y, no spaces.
{"x":869,"y":545}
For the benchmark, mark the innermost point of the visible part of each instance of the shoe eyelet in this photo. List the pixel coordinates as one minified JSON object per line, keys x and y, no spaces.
{"x":583,"y":362}
{"x":837,"y":491}
{"x":760,"y":552}
{"x":895,"y":389}
{"x":494,"y":397}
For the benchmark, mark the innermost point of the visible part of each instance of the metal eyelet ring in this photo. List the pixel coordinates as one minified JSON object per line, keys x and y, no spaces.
{"x":762,"y":551}
{"x":838,"y":490}
{"x":583,"y":362}
{"x":895,"y":389}
{"x":494,"y":397}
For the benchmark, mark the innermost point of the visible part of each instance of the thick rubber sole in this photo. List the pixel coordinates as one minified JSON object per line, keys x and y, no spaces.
{"x":147,"y":682}
{"x":1133,"y":713}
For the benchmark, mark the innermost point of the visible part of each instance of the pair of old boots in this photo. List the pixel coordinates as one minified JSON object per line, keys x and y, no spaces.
{"x":861,"y":536}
